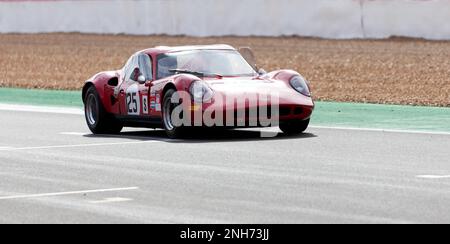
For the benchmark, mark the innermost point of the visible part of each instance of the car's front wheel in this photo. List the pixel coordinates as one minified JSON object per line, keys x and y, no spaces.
{"x":173,"y":130}
{"x":294,"y":127}
{"x":97,"y":119}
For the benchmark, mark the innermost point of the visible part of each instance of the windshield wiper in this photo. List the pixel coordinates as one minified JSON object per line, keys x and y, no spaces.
{"x":186,"y":71}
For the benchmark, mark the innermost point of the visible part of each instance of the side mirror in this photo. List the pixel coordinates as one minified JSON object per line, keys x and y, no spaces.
{"x":249,"y":56}
{"x":262,"y":71}
{"x":141,"y":79}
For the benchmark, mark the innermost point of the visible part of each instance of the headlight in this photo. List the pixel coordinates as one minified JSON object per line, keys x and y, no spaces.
{"x":200,"y":91}
{"x":299,"y":84}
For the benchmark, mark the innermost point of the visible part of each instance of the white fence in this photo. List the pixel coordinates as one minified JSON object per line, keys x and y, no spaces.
{"x":320,"y":18}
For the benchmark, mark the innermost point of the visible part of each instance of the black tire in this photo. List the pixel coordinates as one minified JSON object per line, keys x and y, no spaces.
{"x":172,"y":131}
{"x":97,"y":119}
{"x":294,"y":127}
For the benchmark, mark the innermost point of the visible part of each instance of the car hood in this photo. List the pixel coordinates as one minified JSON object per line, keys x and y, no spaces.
{"x":245,"y":85}
{"x":239,"y":87}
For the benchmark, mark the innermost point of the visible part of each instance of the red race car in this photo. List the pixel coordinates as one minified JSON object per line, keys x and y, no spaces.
{"x":176,"y":88}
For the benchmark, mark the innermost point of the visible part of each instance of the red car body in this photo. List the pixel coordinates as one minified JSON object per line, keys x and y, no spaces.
{"x":139,"y":104}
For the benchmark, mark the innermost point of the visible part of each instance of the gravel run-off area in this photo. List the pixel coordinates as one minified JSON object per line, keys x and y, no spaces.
{"x":394,"y":71}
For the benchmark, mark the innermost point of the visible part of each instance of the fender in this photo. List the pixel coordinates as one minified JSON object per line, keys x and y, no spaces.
{"x":100,"y":81}
{"x":283,"y":75}
{"x":158,"y":88}
{"x":183,"y":81}
{"x":180,"y":82}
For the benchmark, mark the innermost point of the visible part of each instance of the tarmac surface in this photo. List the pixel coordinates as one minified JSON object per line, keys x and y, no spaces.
{"x":52,"y":170}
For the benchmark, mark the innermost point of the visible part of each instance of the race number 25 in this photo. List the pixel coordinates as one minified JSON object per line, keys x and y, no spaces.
{"x":132,"y":103}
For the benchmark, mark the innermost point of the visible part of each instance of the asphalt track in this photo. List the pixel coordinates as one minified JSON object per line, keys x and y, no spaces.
{"x":53,"y":170}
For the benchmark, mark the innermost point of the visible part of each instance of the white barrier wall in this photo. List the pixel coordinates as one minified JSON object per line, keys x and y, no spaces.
{"x":428,"y":19}
{"x":319,"y":18}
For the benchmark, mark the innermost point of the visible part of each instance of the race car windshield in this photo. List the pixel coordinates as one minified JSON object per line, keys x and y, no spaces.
{"x":204,"y":62}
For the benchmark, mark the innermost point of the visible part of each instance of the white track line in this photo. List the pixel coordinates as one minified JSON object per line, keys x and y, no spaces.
{"x":73,"y":133}
{"x":112,"y":199}
{"x":379,"y":130}
{"x":74,"y":146}
{"x":433,"y":176}
{"x":54,"y":194}
{"x":40,"y":109}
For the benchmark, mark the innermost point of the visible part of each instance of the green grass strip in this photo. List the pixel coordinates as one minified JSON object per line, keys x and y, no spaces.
{"x":376,"y":116}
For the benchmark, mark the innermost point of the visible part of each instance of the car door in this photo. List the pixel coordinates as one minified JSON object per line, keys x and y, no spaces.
{"x":126,"y":82}
{"x":134,"y":94}
{"x":146,"y":70}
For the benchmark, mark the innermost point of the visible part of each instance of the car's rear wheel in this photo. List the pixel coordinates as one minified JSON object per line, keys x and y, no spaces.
{"x":97,"y":119}
{"x":172,"y":130}
{"x":294,"y":127}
